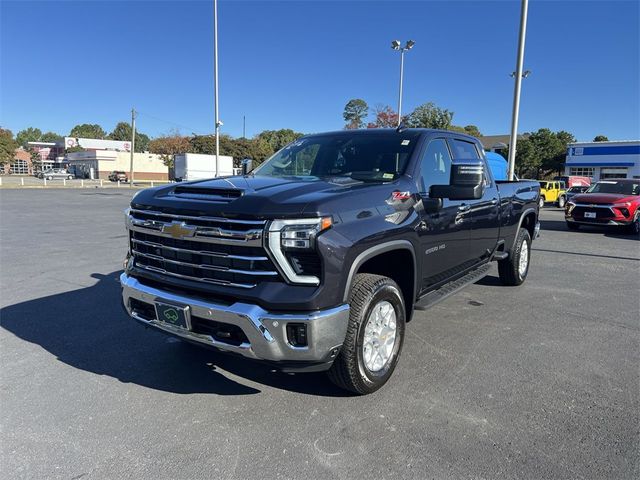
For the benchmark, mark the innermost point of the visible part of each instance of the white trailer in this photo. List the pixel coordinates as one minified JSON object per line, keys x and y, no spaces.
{"x":198,"y":166}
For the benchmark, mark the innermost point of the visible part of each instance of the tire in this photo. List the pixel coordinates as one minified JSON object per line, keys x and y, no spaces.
{"x":360,"y":367}
{"x":562,"y":201}
{"x":69,"y":177}
{"x":634,"y":228}
{"x":49,"y":178}
{"x":541,"y":202}
{"x":510,"y":270}
{"x":573,"y":226}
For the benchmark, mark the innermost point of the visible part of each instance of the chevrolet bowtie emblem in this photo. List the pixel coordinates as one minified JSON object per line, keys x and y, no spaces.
{"x":179,"y":230}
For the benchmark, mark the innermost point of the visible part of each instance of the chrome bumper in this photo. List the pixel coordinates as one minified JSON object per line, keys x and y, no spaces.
{"x":266,"y":332}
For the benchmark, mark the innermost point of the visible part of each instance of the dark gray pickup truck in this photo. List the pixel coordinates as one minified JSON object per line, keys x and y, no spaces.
{"x":317,"y":259}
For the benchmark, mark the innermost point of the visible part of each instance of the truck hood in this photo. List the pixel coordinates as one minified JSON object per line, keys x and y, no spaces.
{"x":267,"y":197}
{"x":602,"y":198}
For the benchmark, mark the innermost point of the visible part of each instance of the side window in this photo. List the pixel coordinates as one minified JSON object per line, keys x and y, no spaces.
{"x":435,"y":167}
{"x":464,"y":150}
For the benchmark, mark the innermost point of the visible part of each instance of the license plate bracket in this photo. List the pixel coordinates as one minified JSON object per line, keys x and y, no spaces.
{"x":173,"y":315}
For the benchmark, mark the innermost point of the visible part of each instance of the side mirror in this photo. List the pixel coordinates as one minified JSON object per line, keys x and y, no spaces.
{"x":467,"y":179}
{"x":247,"y":165}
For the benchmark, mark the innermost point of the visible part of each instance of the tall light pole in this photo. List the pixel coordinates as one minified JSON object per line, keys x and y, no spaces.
{"x":396,"y":45}
{"x":516,"y":91}
{"x":215,"y":75}
{"x":133,"y":145}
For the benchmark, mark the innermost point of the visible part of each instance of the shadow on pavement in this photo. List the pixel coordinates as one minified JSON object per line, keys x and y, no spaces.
{"x":608,"y":231}
{"x":87,"y":329}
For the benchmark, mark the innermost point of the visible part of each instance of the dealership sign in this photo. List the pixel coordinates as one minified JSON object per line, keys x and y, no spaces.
{"x":97,"y":144}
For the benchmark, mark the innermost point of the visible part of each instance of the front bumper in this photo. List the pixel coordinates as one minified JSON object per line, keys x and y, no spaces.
{"x":604,"y":222}
{"x":266,"y":332}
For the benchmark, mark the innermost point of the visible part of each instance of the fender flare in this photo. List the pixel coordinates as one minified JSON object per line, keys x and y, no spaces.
{"x":524,"y":214}
{"x":377,"y":250}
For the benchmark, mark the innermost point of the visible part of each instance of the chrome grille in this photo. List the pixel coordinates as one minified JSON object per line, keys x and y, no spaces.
{"x":203,"y":249}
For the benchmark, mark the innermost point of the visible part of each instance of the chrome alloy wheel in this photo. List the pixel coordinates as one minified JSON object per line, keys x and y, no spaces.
{"x":379,"y":336}
{"x":524,"y":259}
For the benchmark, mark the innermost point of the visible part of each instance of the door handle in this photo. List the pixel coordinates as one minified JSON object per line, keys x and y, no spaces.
{"x":464,"y":208}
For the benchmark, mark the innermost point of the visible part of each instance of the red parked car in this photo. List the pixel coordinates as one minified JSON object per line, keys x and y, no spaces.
{"x":609,"y":202}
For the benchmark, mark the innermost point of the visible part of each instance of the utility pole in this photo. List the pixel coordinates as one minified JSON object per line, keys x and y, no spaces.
{"x":517,"y":88}
{"x":244,"y":126}
{"x":133,"y":145}
{"x":215,"y":75}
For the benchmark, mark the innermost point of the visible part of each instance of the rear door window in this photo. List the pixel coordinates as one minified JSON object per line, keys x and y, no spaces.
{"x":464,"y":150}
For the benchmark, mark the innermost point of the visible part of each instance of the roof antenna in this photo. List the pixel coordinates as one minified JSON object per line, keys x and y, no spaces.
{"x":401,"y":128}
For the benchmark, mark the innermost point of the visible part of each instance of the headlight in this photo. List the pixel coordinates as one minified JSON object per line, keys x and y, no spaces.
{"x":298,"y":235}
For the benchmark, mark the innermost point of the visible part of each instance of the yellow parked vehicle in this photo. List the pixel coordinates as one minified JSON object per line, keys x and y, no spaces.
{"x":553,"y":192}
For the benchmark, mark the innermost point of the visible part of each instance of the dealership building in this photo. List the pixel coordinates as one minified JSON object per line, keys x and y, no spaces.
{"x":101,"y":157}
{"x":100,"y":163}
{"x":602,"y":160}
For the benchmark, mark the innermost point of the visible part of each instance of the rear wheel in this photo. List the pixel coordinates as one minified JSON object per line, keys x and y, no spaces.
{"x":49,"y":178}
{"x":562,"y":202}
{"x":514,"y":269}
{"x":541,"y":202}
{"x":573,"y":226}
{"x":374,"y":335}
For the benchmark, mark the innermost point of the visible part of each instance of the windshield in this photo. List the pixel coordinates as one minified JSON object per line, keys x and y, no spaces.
{"x":375,"y":156}
{"x":543,"y":185}
{"x":620,"y":188}
{"x":576,"y":189}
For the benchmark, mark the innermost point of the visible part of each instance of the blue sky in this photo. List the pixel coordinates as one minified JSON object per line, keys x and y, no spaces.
{"x":294,"y":64}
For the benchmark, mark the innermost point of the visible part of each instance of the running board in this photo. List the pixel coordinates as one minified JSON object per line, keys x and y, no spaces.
{"x":432,"y":298}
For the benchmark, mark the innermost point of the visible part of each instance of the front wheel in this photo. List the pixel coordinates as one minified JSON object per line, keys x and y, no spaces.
{"x":374,"y":335}
{"x":562,"y":201}
{"x":634,"y":228}
{"x":49,"y":178}
{"x":513,"y":270}
{"x":541,"y":202}
{"x":69,"y":177}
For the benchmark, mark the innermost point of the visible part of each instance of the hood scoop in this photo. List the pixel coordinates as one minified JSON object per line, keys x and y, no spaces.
{"x":219,"y":195}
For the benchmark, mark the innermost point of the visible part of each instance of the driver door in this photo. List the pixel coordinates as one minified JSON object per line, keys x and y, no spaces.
{"x":443,"y":228}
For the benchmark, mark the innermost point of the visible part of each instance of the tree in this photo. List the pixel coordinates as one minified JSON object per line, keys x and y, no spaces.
{"x":28,"y":135}
{"x":7,"y":147}
{"x":428,"y":115}
{"x":87,"y":130}
{"x":542,"y":152}
{"x":122,"y":132}
{"x":36,"y":160}
{"x":279,"y":138}
{"x":168,"y":146}
{"x":355,"y":112}
{"x":256,"y":148}
{"x":51,"y":137}
{"x":600,"y":138}
{"x":385,"y":117}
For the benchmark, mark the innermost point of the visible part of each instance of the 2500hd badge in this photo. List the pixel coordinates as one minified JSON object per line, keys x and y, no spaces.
{"x":318,"y":258}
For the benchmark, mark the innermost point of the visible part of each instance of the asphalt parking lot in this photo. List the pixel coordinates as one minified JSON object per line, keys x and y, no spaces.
{"x":538,"y":381}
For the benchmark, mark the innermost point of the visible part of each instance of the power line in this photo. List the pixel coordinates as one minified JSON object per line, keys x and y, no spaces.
{"x":192,"y":130}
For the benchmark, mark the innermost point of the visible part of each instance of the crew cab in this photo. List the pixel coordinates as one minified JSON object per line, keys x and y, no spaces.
{"x":317,"y":259}
{"x":613,"y":202}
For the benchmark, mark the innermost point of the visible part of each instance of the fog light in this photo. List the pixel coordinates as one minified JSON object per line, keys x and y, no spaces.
{"x":297,"y":334}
